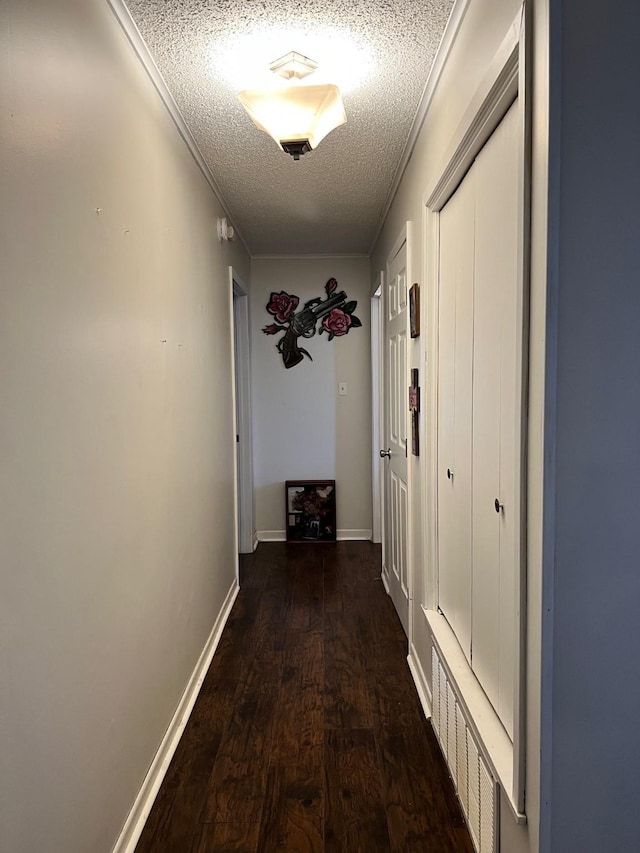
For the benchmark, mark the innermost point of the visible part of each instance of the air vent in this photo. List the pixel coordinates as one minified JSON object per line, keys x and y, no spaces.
{"x":476,"y":788}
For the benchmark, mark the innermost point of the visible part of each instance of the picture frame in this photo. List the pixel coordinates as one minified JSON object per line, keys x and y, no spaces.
{"x":310,"y":510}
{"x":414,"y":310}
{"x":415,"y":434}
{"x":414,"y":408}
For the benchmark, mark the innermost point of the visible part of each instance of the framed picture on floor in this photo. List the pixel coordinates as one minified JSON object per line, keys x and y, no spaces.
{"x":311,"y":510}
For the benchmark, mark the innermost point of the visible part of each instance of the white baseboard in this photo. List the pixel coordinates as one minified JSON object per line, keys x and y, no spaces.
{"x":353,"y":535}
{"x":341,"y":535}
{"x":421,"y":683}
{"x":271,"y":536}
{"x":139,"y":813}
{"x":385,"y":579}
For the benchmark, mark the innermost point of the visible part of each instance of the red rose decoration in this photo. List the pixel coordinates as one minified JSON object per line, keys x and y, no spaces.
{"x":282,"y":306}
{"x":330,"y":286}
{"x":337,"y":322}
{"x":272,"y":329}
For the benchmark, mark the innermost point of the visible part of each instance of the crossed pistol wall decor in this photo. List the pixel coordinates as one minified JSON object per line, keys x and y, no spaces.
{"x":334,"y":312}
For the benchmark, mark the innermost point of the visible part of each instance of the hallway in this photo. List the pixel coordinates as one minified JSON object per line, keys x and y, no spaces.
{"x":308,"y":734}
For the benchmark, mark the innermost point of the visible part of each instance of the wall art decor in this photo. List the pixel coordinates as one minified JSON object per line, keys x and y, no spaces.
{"x":414,"y":408}
{"x":334,"y":313}
{"x":414,"y":310}
{"x":311,"y":510}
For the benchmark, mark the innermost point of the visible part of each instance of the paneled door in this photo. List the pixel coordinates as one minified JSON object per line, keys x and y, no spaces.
{"x":394,"y":450}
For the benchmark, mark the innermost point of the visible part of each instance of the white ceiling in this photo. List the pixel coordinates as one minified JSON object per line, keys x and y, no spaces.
{"x":378,"y":51}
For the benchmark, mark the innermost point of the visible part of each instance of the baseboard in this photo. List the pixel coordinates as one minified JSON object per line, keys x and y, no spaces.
{"x":139,"y":813}
{"x":385,"y":579}
{"x":256,"y":541}
{"x":341,"y":535}
{"x":271,"y":536}
{"x":421,"y":683}
{"x":353,"y":535}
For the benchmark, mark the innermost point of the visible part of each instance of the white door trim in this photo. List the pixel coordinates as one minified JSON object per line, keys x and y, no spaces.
{"x":411,"y":277}
{"x":429,"y":354}
{"x":376,"y":406}
{"x":489,"y":105}
{"x":242,"y":391}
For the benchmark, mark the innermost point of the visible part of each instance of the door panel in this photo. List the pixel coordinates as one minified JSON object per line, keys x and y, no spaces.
{"x":402,"y":538}
{"x":455,"y":353}
{"x":494,"y":416}
{"x":395,"y":468}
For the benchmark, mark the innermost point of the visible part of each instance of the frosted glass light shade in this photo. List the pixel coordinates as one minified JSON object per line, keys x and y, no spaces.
{"x":296,"y":113}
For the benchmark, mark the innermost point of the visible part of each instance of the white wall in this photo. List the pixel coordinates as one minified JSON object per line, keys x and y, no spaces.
{"x":302,"y":428}
{"x":116,"y":506}
{"x":484,"y":25}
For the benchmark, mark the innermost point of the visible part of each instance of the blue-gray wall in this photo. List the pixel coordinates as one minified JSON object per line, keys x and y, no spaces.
{"x":590,"y":763}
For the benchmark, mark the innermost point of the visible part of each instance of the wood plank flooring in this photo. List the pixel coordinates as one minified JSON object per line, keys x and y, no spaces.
{"x":308,"y":734}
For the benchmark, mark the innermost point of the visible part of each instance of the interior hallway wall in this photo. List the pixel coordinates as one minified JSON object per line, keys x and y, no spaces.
{"x":116,"y":499}
{"x":591,"y":758}
{"x":302,"y":428}
{"x":481,"y":31}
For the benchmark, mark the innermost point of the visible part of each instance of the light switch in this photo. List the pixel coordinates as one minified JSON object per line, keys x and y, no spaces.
{"x":342,"y":389}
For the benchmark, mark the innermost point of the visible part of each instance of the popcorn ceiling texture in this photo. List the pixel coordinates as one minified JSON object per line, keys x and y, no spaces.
{"x":330,"y":202}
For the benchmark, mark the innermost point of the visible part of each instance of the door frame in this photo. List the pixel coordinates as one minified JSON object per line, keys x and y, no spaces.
{"x":377,"y":408}
{"x":243,"y":447}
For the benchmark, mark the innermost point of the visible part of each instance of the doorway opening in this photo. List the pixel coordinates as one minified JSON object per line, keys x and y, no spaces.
{"x":244,"y":441}
{"x":376,"y":409}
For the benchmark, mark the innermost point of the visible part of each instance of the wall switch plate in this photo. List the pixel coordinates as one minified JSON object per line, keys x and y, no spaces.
{"x":342,"y":389}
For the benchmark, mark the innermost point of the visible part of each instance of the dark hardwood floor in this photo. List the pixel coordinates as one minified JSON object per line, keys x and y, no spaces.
{"x":308,"y":734}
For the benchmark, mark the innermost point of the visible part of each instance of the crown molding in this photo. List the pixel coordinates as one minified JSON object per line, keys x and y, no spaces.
{"x":442,"y":54}
{"x":123,"y":15}
{"x":492,"y":99}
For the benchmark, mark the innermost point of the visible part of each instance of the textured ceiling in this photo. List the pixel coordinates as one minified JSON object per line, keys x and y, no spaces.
{"x":378,"y":51}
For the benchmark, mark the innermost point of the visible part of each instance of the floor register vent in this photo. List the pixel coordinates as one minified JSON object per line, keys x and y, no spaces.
{"x":476,"y":788}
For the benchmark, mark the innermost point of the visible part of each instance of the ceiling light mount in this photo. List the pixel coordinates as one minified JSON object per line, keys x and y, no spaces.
{"x":295,"y":147}
{"x":292,"y":65}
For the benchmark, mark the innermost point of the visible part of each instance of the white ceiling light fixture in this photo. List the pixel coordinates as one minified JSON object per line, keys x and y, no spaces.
{"x":297,"y":117}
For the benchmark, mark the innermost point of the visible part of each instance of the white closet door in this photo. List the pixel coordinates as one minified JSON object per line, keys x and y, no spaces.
{"x":455,"y":409}
{"x":495,"y":415}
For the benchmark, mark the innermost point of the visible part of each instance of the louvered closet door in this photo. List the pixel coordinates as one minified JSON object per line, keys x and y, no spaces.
{"x":495,"y":414}
{"x":455,"y":353}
